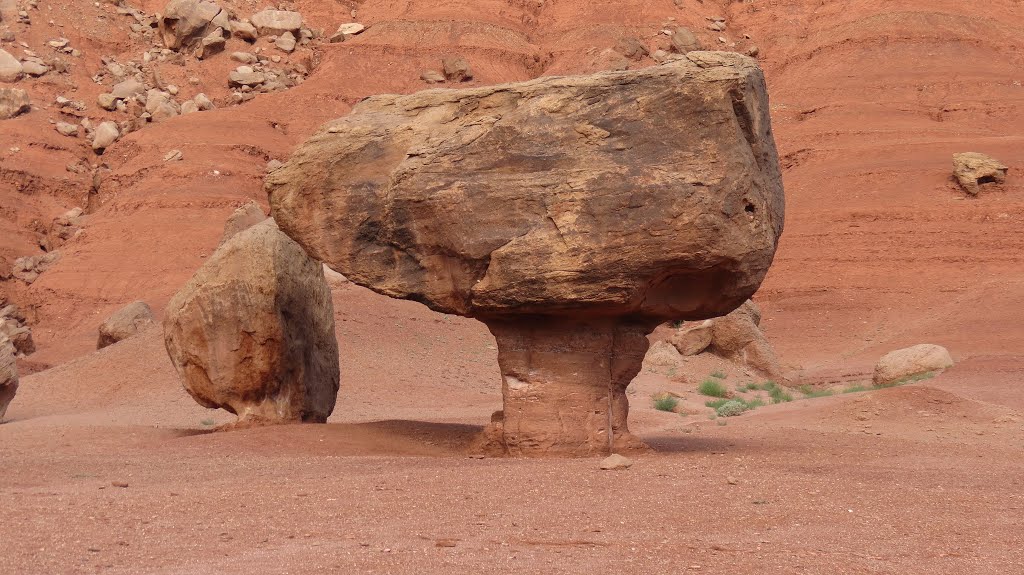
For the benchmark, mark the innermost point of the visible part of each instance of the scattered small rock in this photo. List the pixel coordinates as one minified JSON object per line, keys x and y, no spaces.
{"x":123,"y":324}
{"x":432,"y":77}
{"x":901,"y":364}
{"x":346,"y":31}
{"x":615,"y":462}
{"x":11,"y":69}
{"x":66,"y":129}
{"x":105,"y":134}
{"x":13,"y":102}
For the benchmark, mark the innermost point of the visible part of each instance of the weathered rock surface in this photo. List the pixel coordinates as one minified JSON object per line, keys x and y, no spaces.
{"x":693,"y":338}
{"x":13,"y":102}
{"x":253,"y":331}
{"x":684,"y":42}
{"x":8,"y":375}
{"x":456,"y":69}
{"x":571,"y":215}
{"x":126,"y":322}
{"x":11,"y":69}
{"x":972,"y":170}
{"x":737,"y":336}
{"x":277,"y":22}
{"x":185,"y":23}
{"x":917,"y":360}
{"x":242,"y":219}
{"x":106,"y":134}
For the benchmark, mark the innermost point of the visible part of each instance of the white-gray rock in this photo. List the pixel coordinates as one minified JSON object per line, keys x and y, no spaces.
{"x":105,"y":135}
{"x":11,"y":69}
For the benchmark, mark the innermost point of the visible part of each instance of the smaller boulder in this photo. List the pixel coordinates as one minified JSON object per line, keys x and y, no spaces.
{"x":105,"y":135}
{"x":277,"y":22}
{"x":972,"y":170}
{"x":125,"y":323}
{"x":11,"y":70}
{"x":899,"y":365}
{"x":286,"y":42}
{"x":13,"y":102}
{"x":244,"y":31}
{"x":616,"y":462}
{"x":242,"y":219}
{"x":683,"y":41}
{"x":346,"y":31}
{"x":432,"y":77}
{"x":631,"y":48}
{"x":693,"y":338}
{"x":456,"y":69}
{"x":8,"y":375}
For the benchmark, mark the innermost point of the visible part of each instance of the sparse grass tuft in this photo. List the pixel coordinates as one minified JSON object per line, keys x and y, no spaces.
{"x":712,"y":388}
{"x":856,"y":388}
{"x":666,"y":403}
{"x":719,"y":375}
{"x":811,"y":393}
{"x":779,"y":395}
{"x":208,"y":422}
{"x":716,"y":403}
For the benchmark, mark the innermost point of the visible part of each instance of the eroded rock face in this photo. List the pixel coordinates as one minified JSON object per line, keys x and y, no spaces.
{"x":571,"y":215}
{"x":13,"y":102}
{"x":8,"y":375}
{"x":253,"y":331}
{"x":125,"y":323}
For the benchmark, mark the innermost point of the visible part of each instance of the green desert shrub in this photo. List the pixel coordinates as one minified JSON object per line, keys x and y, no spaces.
{"x":712,"y":388}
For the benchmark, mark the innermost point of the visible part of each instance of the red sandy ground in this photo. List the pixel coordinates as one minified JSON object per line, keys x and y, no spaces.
{"x":870,"y":99}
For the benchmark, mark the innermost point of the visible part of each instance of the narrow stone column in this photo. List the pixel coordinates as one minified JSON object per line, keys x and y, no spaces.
{"x":557,"y":374}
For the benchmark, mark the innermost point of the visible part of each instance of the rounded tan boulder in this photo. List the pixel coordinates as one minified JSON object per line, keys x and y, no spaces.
{"x":125,"y":323}
{"x":901,"y":364}
{"x":253,"y":331}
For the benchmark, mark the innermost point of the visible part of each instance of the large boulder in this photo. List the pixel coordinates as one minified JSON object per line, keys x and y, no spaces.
{"x":8,"y":375}
{"x":571,"y":215}
{"x":903,"y":364}
{"x":253,"y":331}
{"x":185,"y":23}
{"x":126,"y":322}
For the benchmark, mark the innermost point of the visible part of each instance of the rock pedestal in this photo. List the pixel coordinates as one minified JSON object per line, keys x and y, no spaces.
{"x":561,"y":376}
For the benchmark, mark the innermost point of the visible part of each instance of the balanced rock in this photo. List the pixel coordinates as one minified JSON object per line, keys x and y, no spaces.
{"x":185,"y":23}
{"x":13,"y":102}
{"x":125,"y":323}
{"x":972,"y":170}
{"x":253,"y":331}
{"x":568,"y":214}
{"x":902,"y":364}
{"x":8,"y":375}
